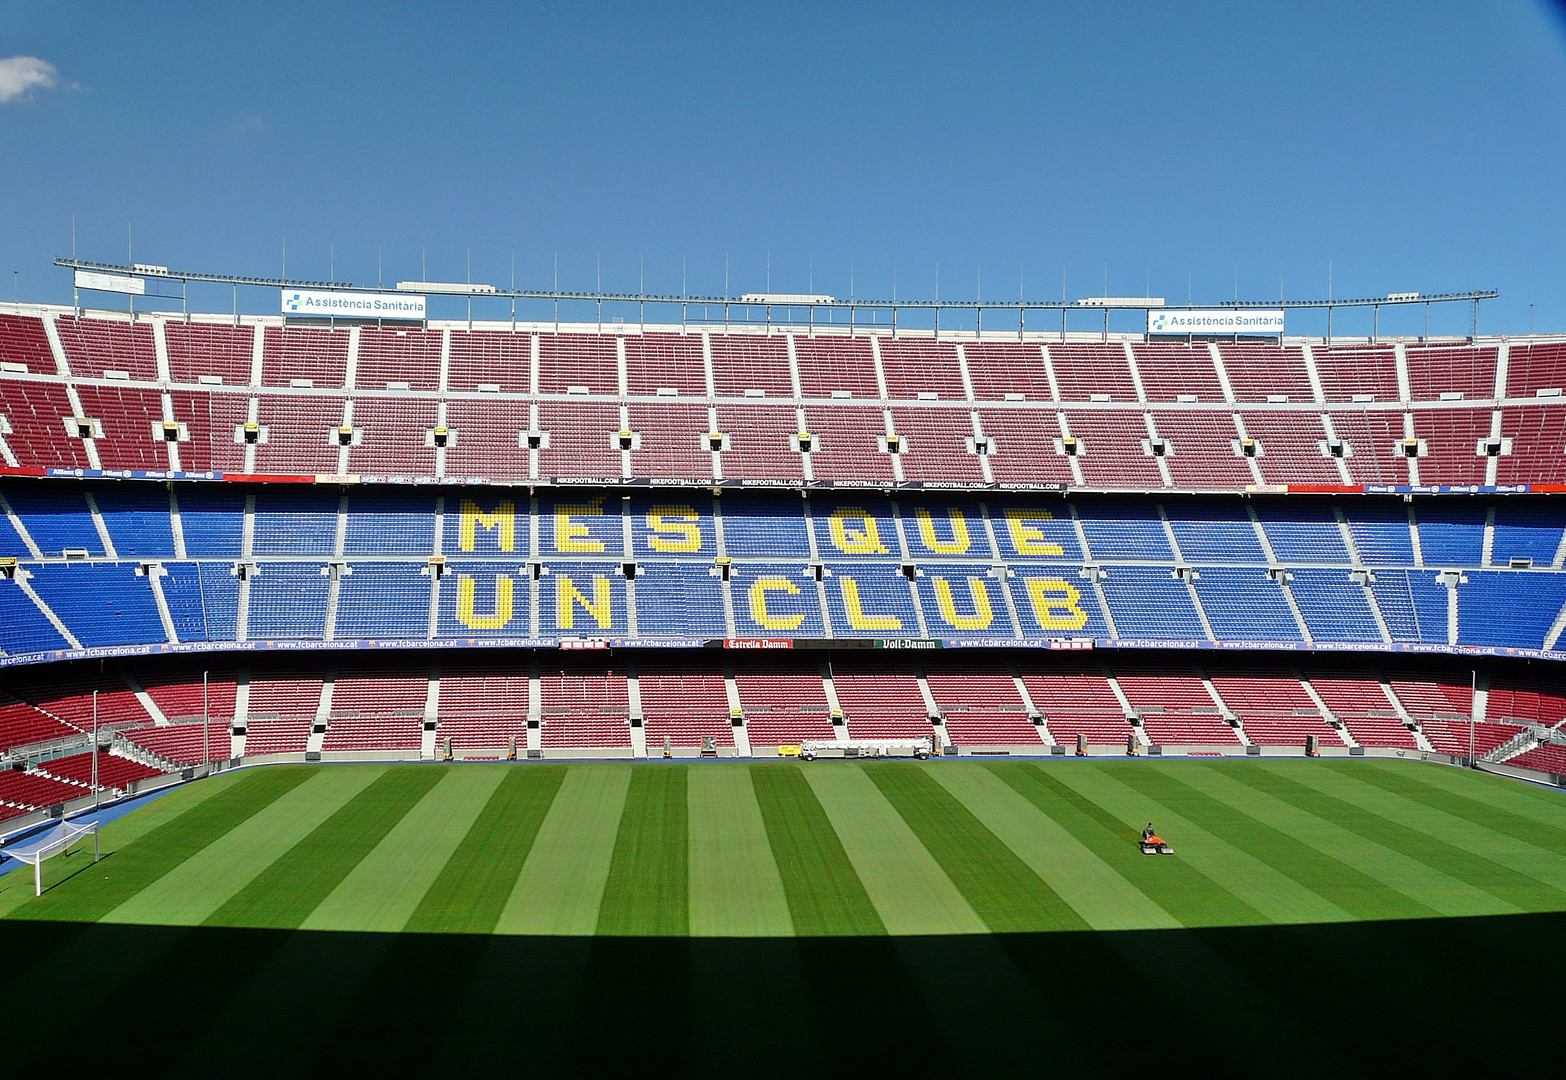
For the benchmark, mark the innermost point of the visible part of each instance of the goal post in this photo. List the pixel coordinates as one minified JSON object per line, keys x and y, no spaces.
{"x":52,"y":841}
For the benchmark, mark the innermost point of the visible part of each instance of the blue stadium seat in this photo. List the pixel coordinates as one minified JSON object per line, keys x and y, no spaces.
{"x":765,"y":528}
{"x":675,"y":525}
{"x":1333,"y":605}
{"x":1413,"y":603}
{"x":482,"y":524}
{"x":1210,"y":532}
{"x":288,"y":600}
{"x":1508,"y":607}
{"x":1526,"y":531}
{"x":486,"y":599}
{"x":212,"y":519}
{"x":582,"y":599}
{"x":1123,"y":529}
{"x":101,"y":603}
{"x":870,"y":599}
{"x":849,"y":528}
{"x":1302,"y":532}
{"x":23,"y":628}
{"x":295,"y":523}
{"x":1380,"y":531}
{"x":137,"y":518}
{"x":1451,"y":534}
{"x":775,"y":600}
{"x":488,"y":537}
{"x":1036,"y":531}
{"x":963,"y":600}
{"x":1148,"y":602}
{"x":11,"y":545}
{"x":219,"y":600}
{"x":384,"y":600}
{"x":1245,"y":605}
{"x":56,"y":518}
{"x":1057,"y":602}
{"x":679,"y":599}
{"x":184,"y":593}
{"x":390,"y":522}
{"x":581,"y":525}
{"x":945,"y":530}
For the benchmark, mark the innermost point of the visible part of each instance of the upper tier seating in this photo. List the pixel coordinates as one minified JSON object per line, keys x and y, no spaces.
{"x":393,"y":388}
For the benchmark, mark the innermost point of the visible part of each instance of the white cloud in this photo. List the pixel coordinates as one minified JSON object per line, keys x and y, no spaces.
{"x":19,"y":74}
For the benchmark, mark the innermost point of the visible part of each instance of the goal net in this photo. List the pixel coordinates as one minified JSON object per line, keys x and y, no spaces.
{"x":52,"y":841}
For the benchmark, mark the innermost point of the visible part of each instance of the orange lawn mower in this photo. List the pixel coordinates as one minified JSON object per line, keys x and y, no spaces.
{"x":1152,"y":844}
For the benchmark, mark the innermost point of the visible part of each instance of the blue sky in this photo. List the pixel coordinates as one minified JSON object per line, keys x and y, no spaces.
{"x":1414,"y":146}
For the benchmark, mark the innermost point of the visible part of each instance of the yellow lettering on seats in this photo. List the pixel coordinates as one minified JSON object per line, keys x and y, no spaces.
{"x":1055,"y":604}
{"x":567,"y":596}
{"x":856,"y":612}
{"x":982,"y":615}
{"x":678,"y":528}
{"x":957,"y":545}
{"x":504,"y":520}
{"x":862,"y":538}
{"x":758,"y":603}
{"x":572,"y":536}
{"x":1028,"y":539}
{"x":474,"y":621}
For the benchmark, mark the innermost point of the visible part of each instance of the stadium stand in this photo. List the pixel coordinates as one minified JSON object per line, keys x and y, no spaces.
{"x":1129,"y":557}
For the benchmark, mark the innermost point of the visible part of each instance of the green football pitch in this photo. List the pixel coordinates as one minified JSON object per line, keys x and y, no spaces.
{"x":948,"y":917}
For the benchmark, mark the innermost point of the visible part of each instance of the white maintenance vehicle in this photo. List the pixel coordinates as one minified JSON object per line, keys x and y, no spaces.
{"x":920,"y":747}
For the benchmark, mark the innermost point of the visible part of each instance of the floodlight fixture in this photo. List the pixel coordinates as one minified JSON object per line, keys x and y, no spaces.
{"x":456,"y":288}
{"x":1140,"y":303}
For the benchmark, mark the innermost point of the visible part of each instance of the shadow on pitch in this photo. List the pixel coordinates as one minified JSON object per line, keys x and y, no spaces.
{"x":1340,"y":999}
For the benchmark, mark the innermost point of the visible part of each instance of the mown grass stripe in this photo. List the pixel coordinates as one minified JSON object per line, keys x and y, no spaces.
{"x":647,"y":892}
{"x":735,"y":890}
{"x":192,"y":891}
{"x":476,"y":882}
{"x":1527,"y":821}
{"x":1401,"y":858}
{"x":1223,"y":887}
{"x":1197,"y":887}
{"x":825,"y":896}
{"x":1358,"y":894}
{"x":446,"y":947}
{"x":148,"y":858}
{"x":382,"y":892}
{"x":16,"y":889}
{"x":1530,"y":877}
{"x":1530,"y":801}
{"x":53,"y":960}
{"x":562,"y":880}
{"x":284,"y":894}
{"x":1000,"y":887}
{"x":906,"y":884}
{"x":1099,"y":895}
{"x":298,"y":982}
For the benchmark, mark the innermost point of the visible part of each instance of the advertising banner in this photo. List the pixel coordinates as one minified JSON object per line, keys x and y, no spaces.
{"x":1218,"y":321}
{"x":86,"y":279}
{"x":352,"y":305}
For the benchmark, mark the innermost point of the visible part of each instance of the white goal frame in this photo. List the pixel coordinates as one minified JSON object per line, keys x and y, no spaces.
{"x":51,"y":841}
